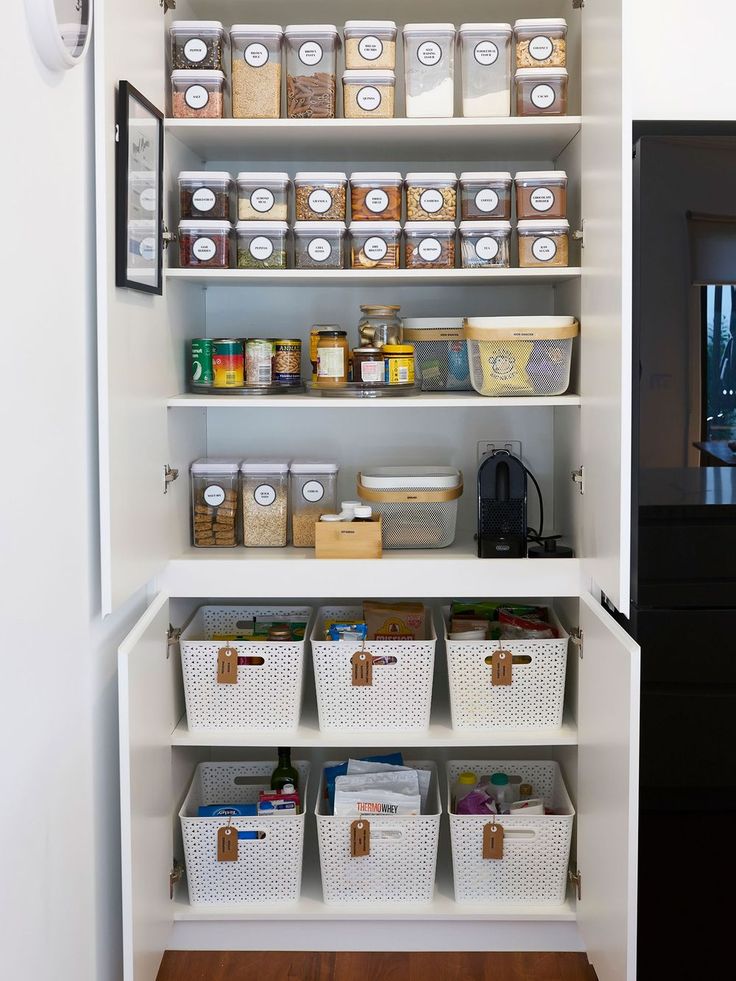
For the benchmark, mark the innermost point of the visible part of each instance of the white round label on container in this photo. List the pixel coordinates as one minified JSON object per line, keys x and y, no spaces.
{"x":319,"y":249}
{"x":370,"y":47}
{"x":195,"y":50}
{"x":486,"y":200}
{"x":542,"y":96}
{"x":261,"y":200}
{"x":320,"y":201}
{"x":196,"y":97}
{"x":214,"y":495}
{"x":542,"y":198}
{"x":486,"y":248}
{"x":376,"y":200}
{"x":313,"y":491}
{"x":368,"y":98}
{"x":430,"y":249}
{"x":204,"y":249}
{"x":431,"y":201}
{"x":203,"y":199}
{"x":486,"y":53}
{"x":310,"y":53}
{"x":375,"y":248}
{"x":544,"y":249}
{"x":264,"y":495}
{"x":541,"y":47}
{"x":261,"y":247}
{"x":429,"y":53}
{"x":147,"y":199}
{"x":256,"y":55}
{"x":147,"y":249}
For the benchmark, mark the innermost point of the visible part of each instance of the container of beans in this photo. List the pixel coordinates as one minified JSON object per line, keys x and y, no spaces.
{"x":320,"y":196}
{"x":429,"y":66}
{"x":370,"y":44}
{"x":376,"y":196}
{"x":262,"y":244}
{"x":541,"y":92}
{"x":319,"y":244}
{"x":486,"y":62}
{"x":541,"y":42}
{"x":485,"y":244}
{"x":541,"y":194}
{"x":197,"y":44}
{"x":214,"y":490}
{"x":375,"y":244}
{"x":430,"y":244}
{"x":264,"y":487}
{"x":256,"y":70}
{"x":368,"y":94}
{"x":204,"y":243}
{"x":431,"y":197}
{"x":263,"y":196}
{"x":198,"y":95}
{"x":311,"y":70}
{"x":485,"y":194}
{"x":204,"y":194}
{"x":544,"y":243}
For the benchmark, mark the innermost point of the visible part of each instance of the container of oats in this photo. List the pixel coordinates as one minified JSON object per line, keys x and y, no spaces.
{"x":541,"y":92}
{"x":541,"y":42}
{"x":198,"y":94}
{"x":214,"y":490}
{"x":541,"y":194}
{"x":320,"y":196}
{"x":256,"y":70}
{"x":262,"y":244}
{"x":197,"y":44}
{"x":319,"y":244}
{"x":263,"y":196}
{"x":430,"y":244}
{"x":264,"y":488}
{"x":370,"y":44}
{"x":313,"y":492}
{"x":544,"y":243}
{"x":485,"y":244}
{"x":485,"y":195}
{"x":368,"y":94}
{"x":375,"y":244}
{"x":431,"y":197}
{"x":311,"y":70}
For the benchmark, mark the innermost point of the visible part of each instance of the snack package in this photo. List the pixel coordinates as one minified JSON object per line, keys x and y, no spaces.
{"x":227,"y":810}
{"x":424,"y":777}
{"x":534,"y":805}
{"x":481,"y":610}
{"x":476,"y":802}
{"x":395,"y":621}
{"x":272,"y":802}
{"x":514,"y":627}
{"x":393,"y":792}
{"x":332,"y":772}
{"x":343,"y":630}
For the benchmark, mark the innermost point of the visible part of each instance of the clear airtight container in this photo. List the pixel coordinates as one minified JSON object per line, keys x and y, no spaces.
{"x":198,"y":95}
{"x":204,"y":194}
{"x":214,"y":490}
{"x":541,"y":194}
{"x":370,"y":44}
{"x":264,"y":487}
{"x":197,"y":44}
{"x":486,"y":65}
{"x":544,"y":243}
{"x":368,"y":94}
{"x":320,"y":196}
{"x":430,"y":244}
{"x":204,"y":243}
{"x":311,"y":72}
{"x":376,"y":196}
{"x":262,"y":244}
{"x":313,"y":493}
{"x":485,"y":244}
{"x":541,"y":92}
{"x":441,"y":352}
{"x":256,"y":70}
{"x":541,"y":42}
{"x":263,"y":196}
{"x":485,"y":195}
{"x":375,"y":244}
{"x":429,"y":65}
{"x":319,"y":244}
{"x":431,"y":197}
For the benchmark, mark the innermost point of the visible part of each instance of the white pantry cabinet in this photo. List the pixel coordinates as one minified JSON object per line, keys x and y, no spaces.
{"x":149,"y":422}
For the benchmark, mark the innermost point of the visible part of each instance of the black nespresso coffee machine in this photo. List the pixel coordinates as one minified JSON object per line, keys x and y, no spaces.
{"x":502,"y":495}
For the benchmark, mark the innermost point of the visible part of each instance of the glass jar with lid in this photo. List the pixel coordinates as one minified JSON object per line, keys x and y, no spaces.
{"x":333,"y":359}
{"x":379,"y":325}
{"x":369,"y":365}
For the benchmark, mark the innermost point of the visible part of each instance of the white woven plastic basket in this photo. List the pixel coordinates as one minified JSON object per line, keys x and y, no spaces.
{"x":536,"y":848}
{"x":401,"y":694}
{"x":534,"y":699}
{"x":268,"y":869}
{"x":403,"y":854}
{"x":265,"y":696}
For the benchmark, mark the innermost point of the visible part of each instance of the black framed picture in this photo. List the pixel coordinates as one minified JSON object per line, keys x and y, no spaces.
{"x":139,"y":177}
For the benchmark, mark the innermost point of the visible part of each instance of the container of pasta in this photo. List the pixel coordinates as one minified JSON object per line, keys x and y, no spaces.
{"x":520,"y":355}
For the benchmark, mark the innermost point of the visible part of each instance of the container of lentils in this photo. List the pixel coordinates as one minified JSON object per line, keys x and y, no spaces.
{"x":320,"y":196}
{"x":376,"y":196}
{"x":197,"y":44}
{"x":430,"y":244}
{"x":541,"y":42}
{"x":311,"y":71}
{"x":544,"y":243}
{"x":256,"y":70}
{"x":204,"y":194}
{"x":262,"y":244}
{"x":485,"y":194}
{"x":319,"y":244}
{"x":429,"y":65}
{"x":541,"y":92}
{"x":263,"y":196}
{"x":485,"y":244}
{"x":431,"y":197}
{"x":198,"y":94}
{"x":375,"y":244}
{"x":368,"y":94}
{"x":264,"y":485}
{"x":370,"y":44}
{"x":204,"y":244}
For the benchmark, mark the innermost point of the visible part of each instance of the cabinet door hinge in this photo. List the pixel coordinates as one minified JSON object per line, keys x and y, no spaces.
{"x":170,"y":475}
{"x":577,"y":478}
{"x":578,"y":4}
{"x":576,"y":636}
{"x":167,"y":5}
{"x":579,"y":234}
{"x":576,"y":878}
{"x":167,"y":237}
{"x":175,"y":875}
{"x":172,"y":639}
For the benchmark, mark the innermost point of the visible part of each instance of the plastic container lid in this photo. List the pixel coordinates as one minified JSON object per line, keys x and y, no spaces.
{"x":216,"y":464}
{"x":204,"y":225}
{"x":485,"y":29}
{"x":385,"y":176}
{"x":500,"y":779}
{"x":319,"y":226}
{"x":541,"y":73}
{"x":540,"y":22}
{"x":383,"y":76}
{"x":256,"y":30}
{"x":370,"y":25}
{"x":392,"y":477}
{"x":429,"y":226}
{"x":415,"y":178}
{"x":541,"y":175}
{"x":375,"y":226}
{"x":422,"y":29}
{"x":319,"y":176}
{"x":311,"y":30}
{"x":542,"y":224}
{"x":331,"y":517}
{"x":263,"y":177}
{"x":363,"y":511}
{"x":261,"y":226}
{"x":467,"y":777}
{"x":210,"y":176}
{"x":473,"y":176}
{"x":347,"y":505}
{"x":398,"y":349}
{"x":266,"y":464}
{"x":199,"y":26}
{"x":313,"y":466}
{"x":485,"y":226}
{"x":194,"y":75}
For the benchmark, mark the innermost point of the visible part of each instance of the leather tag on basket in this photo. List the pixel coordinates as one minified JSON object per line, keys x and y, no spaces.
{"x":492,"y":840}
{"x":360,"y":838}
{"x":227,"y":666}
{"x":362,"y":663}
{"x":501,"y":667}
{"x":227,"y":844}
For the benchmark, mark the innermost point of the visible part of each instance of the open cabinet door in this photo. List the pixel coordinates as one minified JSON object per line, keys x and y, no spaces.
{"x":606,"y":305}
{"x":608,"y":798}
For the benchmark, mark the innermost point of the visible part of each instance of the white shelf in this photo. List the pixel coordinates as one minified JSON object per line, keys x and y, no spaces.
{"x":376,"y":277}
{"x":299,"y":140}
{"x":426,"y":400}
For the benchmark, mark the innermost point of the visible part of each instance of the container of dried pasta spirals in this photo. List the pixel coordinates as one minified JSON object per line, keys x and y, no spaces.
{"x":311,"y":70}
{"x":375,"y":244}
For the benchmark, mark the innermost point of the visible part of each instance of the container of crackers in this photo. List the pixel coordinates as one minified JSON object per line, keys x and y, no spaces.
{"x":215,"y":521}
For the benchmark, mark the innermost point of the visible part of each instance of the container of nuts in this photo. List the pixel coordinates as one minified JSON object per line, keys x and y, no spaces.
{"x":375,"y":244}
{"x":376,"y":196}
{"x":214,"y":489}
{"x":320,"y":196}
{"x":264,"y":487}
{"x":541,"y":42}
{"x":313,"y":493}
{"x":430,"y":244}
{"x":431,"y":197}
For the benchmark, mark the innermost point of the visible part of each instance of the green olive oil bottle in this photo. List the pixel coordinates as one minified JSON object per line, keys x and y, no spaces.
{"x":284,"y":772}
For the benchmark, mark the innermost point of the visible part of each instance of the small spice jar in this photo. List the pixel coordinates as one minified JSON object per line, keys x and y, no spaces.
{"x":431,"y":197}
{"x":261,"y":244}
{"x":370,"y":44}
{"x":379,"y":325}
{"x":375,"y":244}
{"x":263,"y":196}
{"x":204,"y":194}
{"x":256,"y":70}
{"x":198,"y":95}
{"x":264,"y":489}
{"x":311,"y":70}
{"x":376,"y":196}
{"x":486,"y":63}
{"x":204,"y":243}
{"x":541,"y":42}
{"x":429,"y":65}
{"x":319,"y":244}
{"x":485,"y":244}
{"x":541,"y":194}
{"x":333,"y":359}
{"x":197,"y":44}
{"x":485,"y":195}
{"x":313,"y":492}
{"x":214,"y":494}
{"x":320,"y":196}
{"x":399,"y":364}
{"x":541,"y":92}
{"x":544,"y":243}
{"x":430,"y":244}
{"x":368,"y":94}
{"x":369,"y":366}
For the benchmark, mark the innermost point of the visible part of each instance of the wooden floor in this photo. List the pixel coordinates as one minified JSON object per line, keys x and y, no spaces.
{"x":310,"y":966}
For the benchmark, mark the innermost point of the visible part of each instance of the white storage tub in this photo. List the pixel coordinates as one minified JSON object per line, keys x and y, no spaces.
{"x":418,"y":504}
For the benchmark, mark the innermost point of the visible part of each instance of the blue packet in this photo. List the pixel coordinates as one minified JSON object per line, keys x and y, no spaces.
{"x":247,"y":835}
{"x":350,"y":631}
{"x":341,"y":769}
{"x":227,"y":810}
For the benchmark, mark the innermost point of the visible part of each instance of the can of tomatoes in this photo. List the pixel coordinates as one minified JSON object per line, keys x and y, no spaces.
{"x":227,"y":363}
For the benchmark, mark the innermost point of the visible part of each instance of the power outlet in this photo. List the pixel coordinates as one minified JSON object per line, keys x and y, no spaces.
{"x":489,"y":445}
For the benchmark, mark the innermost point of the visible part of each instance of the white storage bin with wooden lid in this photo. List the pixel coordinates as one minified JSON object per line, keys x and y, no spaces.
{"x":418,"y":504}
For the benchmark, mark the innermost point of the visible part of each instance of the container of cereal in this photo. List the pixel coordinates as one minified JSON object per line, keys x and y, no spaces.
{"x":204,"y":243}
{"x":263,"y":196}
{"x":486,"y":64}
{"x":370,"y":44}
{"x":441,"y":352}
{"x":311,"y":73}
{"x":264,"y":488}
{"x":319,"y":244}
{"x":430,"y":244}
{"x":214,"y":491}
{"x":431,"y":197}
{"x":376,"y":196}
{"x":485,"y":244}
{"x":261,"y":244}
{"x":429,"y":65}
{"x":541,"y":42}
{"x":375,"y":244}
{"x":197,"y":44}
{"x":541,"y":92}
{"x":320,"y":195}
{"x":198,"y":94}
{"x":256,"y":70}
{"x":544,"y":243}
{"x":541,"y":194}
{"x":485,"y":194}
{"x":313,"y":487}
{"x":368,"y":94}
{"x":204,"y":194}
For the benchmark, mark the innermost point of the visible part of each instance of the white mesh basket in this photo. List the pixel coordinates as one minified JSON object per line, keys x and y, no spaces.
{"x":268,"y":869}
{"x":403,"y":854}
{"x":534,"y":699}
{"x":265,"y":696}
{"x":419,"y":511}
{"x":401,"y":694}
{"x":536,"y":848}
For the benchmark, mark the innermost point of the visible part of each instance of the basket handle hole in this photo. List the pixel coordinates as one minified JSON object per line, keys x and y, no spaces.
{"x":249,"y":780}
{"x":249,"y":836}
{"x":251,"y":662}
{"x":515,"y":659}
{"x":383,"y":661}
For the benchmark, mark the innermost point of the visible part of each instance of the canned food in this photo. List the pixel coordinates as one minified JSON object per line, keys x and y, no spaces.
{"x":287,"y":362}
{"x":227,"y":363}
{"x":201,"y":364}
{"x":399,"y":364}
{"x":259,"y":361}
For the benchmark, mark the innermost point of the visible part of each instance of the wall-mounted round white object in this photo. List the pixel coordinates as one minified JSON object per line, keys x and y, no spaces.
{"x":62,"y":30}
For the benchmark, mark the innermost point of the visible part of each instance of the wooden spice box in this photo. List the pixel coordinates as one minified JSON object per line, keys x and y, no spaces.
{"x":349,"y":539}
